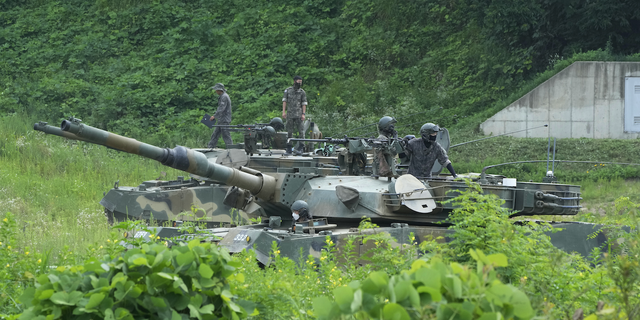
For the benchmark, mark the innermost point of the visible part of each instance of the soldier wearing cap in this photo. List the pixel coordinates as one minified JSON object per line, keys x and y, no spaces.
{"x":223,"y":114}
{"x":295,"y":99}
{"x":424,"y":152}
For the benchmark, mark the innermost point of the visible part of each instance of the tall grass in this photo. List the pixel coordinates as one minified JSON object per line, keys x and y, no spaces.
{"x":54,"y":185}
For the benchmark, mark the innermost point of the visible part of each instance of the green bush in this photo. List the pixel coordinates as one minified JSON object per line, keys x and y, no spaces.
{"x":152,"y":282}
{"x":430,"y":289}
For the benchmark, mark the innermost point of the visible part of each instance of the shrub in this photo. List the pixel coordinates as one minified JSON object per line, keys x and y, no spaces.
{"x":151,"y":282}
{"x":431,"y":288}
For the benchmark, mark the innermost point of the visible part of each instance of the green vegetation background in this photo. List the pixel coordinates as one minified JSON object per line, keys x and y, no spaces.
{"x":144,"y":68}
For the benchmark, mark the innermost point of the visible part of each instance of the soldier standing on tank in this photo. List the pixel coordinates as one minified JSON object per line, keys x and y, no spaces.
{"x":386,"y":147}
{"x":296,"y":100}
{"x":424,"y":151}
{"x":300,"y":213}
{"x":223,"y":114}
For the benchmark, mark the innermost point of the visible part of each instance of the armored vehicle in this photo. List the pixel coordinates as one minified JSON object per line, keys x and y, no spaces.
{"x":400,"y":205}
{"x":199,"y":198}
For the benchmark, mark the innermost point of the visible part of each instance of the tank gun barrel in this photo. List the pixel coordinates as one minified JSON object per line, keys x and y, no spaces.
{"x":181,"y":158}
{"x":44,"y":127}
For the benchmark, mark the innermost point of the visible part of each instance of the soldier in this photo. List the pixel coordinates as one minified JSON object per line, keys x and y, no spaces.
{"x":424,"y":151}
{"x":300,"y":212}
{"x":296,"y":99}
{"x":223,"y":114}
{"x":404,"y":160}
{"x":386,"y":147}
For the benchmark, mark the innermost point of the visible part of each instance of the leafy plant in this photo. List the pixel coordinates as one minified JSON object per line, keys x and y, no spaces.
{"x":430,"y":289}
{"x":152,"y":281}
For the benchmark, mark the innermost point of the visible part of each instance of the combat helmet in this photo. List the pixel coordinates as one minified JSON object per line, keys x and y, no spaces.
{"x":427,"y":129}
{"x":302,"y":207}
{"x":386,"y":125}
{"x":276,"y":123}
{"x":269,"y":131}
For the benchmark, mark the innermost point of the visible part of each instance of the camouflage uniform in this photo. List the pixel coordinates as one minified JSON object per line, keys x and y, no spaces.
{"x":295,"y":99}
{"x":423,"y":157}
{"x":223,"y":115}
{"x":384,"y":156}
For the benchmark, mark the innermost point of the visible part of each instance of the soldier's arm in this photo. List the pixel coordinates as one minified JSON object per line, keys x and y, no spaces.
{"x":284,"y":104}
{"x":304,"y":104}
{"x":443,"y":158}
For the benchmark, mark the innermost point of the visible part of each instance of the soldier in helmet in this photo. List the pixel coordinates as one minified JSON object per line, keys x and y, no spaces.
{"x":300,"y":212}
{"x":295,"y":99}
{"x":424,"y":151}
{"x":223,"y":114}
{"x":386,"y":147}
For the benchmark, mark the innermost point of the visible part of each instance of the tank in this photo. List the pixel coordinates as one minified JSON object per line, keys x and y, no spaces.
{"x":198,"y":198}
{"x":401,"y":206}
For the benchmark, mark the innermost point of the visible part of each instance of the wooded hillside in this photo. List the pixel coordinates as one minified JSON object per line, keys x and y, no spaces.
{"x":141,"y":67}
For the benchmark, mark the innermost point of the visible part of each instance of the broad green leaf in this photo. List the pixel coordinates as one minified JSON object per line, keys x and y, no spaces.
{"x":493,"y":316}
{"x":434,"y":293}
{"x":27,"y":296}
{"x":142,"y":261}
{"x":418,"y":264}
{"x":157,"y":260}
{"x":394,"y":311}
{"x":208,"y":309}
{"x":193,"y":312}
{"x":158,"y":302}
{"x":108,"y":315}
{"x":196,"y":301}
{"x":207,"y":283}
{"x":380,"y":279}
{"x":357,"y":301}
{"x":185,"y":258}
{"x":414,"y":297}
{"x":322,"y":306}
{"x":61,"y":298}
{"x":453,"y":311}
{"x":123,"y":314}
{"x":194,"y":243}
{"x":429,"y":277}
{"x":46,"y":294}
{"x":402,"y":290}
{"x":205,"y":271}
{"x":521,"y":304}
{"x":75,"y":297}
{"x":343,"y":297}
{"x":94,"y":300}
{"x":167,"y":276}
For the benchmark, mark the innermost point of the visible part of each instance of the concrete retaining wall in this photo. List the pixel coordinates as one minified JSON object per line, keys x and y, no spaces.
{"x":584,"y":100}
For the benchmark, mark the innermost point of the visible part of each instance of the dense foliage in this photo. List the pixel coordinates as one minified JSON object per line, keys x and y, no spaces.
{"x":155,"y":281}
{"x":133,"y":66}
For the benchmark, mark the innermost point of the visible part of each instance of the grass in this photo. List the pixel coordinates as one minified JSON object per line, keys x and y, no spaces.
{"x":53,"y":185}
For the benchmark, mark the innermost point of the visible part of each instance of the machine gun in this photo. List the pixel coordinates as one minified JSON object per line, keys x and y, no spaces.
{"x":353,"y":157}
{"x":264,"y":132}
